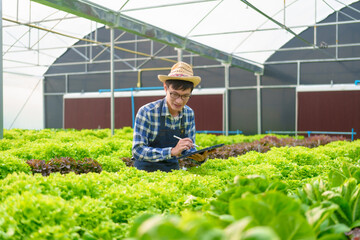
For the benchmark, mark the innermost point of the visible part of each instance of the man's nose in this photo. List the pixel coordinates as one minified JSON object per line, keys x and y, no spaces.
{"x":179,"y":100}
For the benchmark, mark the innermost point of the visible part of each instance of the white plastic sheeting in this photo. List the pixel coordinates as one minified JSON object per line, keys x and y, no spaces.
{"x":34,"y":36}
{"x":231,"y":26}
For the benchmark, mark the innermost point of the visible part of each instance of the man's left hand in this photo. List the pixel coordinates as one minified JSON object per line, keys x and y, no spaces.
{"x":200,"y":157}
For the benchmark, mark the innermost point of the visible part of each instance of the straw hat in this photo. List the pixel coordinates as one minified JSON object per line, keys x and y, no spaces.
{"x":181,"y":71}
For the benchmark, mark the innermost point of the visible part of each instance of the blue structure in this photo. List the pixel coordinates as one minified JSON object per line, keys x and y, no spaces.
{"x":352,"y":133}
{"x":132,"y":96}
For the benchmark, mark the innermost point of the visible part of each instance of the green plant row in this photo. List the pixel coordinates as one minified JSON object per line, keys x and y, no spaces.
{"x":256,"y":208}
{"x":114,"y":199}
{"x":296,"y":165}
{"x":19,"y":146}
{"x":122,"y":202}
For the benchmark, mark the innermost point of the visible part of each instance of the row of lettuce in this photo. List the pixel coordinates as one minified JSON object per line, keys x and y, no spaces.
{"x":20,"y":145}
{"x":285,"y":193}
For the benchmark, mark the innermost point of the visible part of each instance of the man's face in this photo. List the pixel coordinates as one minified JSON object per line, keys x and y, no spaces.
{"x":176,"y":99}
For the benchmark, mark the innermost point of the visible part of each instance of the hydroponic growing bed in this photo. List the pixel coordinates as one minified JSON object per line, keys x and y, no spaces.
{"x":69,"y":184}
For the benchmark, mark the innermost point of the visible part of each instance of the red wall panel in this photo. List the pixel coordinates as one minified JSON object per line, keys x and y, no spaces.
{"x":208,"y":112}
{"x":329,"y":111}
{"x":88,"y":113}
{"x":92,"y":113}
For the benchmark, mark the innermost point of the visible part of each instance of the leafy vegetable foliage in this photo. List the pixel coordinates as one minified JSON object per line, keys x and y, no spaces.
{"x":64,"y":165}
{"x":266,"y":143}
{"x":287,"y":192}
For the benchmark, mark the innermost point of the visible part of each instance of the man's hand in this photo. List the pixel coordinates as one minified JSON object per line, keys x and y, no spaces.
{"x":183,"y":144}
{"x":200,"y":157}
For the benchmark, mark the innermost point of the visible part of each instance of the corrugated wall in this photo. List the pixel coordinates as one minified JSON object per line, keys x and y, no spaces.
{"x":329,"y":111}
{"x":92,"y":113}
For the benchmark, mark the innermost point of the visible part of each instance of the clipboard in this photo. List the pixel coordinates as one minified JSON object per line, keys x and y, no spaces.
{"x":200,"y":151}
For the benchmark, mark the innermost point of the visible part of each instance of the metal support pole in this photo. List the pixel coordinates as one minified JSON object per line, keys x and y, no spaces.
{"x":226,"y":104}
{"x":315,"y":27}
{"x":179,"y":54}
{"x":296,"y":96}
{"x":112,"y":102}
{"x":132,"y":108}
{"x":284,"y":13}
{"x":44,"y":105}
{"x":337,"y":36}
{"x":258,"y":102}
{"x":1,"y":79}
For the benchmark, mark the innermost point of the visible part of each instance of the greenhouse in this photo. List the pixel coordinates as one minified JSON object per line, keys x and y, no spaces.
{"x":279,"y":99}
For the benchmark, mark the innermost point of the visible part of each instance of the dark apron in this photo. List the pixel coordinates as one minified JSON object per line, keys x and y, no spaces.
{"x":165,"y":138}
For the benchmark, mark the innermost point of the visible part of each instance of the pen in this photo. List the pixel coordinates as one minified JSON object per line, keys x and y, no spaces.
{"x":181,"y":138}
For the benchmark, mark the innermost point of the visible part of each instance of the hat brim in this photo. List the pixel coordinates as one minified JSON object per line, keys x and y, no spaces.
{"x":195,"y":79}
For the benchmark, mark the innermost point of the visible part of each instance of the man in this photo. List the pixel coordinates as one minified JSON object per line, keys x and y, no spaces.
{"x":156,"y":124}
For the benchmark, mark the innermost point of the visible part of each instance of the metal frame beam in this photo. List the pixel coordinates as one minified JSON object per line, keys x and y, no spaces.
{"x":114,"y":19}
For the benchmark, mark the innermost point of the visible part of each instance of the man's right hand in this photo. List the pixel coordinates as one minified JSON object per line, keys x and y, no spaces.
{"x":183,"y":144}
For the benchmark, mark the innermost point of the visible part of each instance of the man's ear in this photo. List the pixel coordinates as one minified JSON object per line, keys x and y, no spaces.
{"x":165,"y":88}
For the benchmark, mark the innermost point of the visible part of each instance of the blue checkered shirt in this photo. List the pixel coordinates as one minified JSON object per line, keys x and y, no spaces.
{"x":147,"y":124}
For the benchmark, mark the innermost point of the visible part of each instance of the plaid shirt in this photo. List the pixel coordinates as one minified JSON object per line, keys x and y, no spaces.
{"x":147,"y":124}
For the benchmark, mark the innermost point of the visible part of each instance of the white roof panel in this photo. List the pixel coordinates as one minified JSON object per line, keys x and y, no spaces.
{"x":235,"y":27}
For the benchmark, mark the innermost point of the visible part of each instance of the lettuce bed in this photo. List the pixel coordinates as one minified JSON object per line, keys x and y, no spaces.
{"x":314,"y":191}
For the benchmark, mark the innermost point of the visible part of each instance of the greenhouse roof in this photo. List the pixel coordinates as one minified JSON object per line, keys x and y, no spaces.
{"x":242,"y":33}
